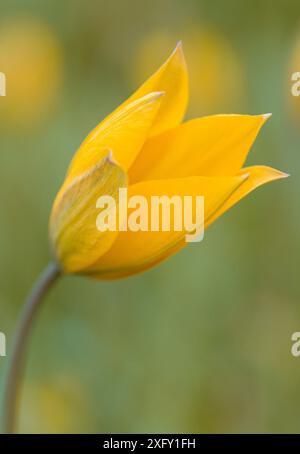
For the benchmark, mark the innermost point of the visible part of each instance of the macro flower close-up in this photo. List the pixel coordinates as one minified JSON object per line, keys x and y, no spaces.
{"x":127,"y":129}
{"x":143,"y":145}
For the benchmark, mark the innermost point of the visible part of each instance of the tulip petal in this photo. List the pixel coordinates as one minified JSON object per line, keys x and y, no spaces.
{"x":124,"y":132}
{"x":257,"y":176}
{"x":73,"y":232}
{"x":133,"y":252}
{"x":212,"y":146}
{"x":172,"y":78}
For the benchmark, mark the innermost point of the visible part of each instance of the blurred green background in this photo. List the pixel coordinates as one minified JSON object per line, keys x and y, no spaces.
{"x":201,"y":343}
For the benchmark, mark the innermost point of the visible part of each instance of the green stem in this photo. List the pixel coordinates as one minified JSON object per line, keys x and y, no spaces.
{"x":17,"y":356}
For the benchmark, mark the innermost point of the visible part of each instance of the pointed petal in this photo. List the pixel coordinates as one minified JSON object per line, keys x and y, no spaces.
{"x":172,"y":78}
{"x":212,"y":146}
{"x":257,"y":176}
{"x":133,"y":252}
{"x":74,"y":236}
{"x":124,"y":132}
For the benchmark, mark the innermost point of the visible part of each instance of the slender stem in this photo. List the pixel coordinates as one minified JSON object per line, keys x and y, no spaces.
{"x":17,"y":357}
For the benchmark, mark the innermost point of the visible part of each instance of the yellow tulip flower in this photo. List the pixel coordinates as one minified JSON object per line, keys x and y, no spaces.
{"x":143,"y":146}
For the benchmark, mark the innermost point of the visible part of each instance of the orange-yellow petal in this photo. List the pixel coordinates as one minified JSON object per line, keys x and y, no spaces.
{"x":124,"y":132}
{"x":74,"y":237}
{"x":133,"y":252}
{"x":212,"y":146}
{"x":172,"y":78}
{"x":256,"y":176}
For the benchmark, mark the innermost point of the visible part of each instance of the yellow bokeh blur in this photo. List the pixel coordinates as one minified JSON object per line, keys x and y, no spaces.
{"x":215,"y":71}
{"x":31,"y":59}
{"x":55,"y":408}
